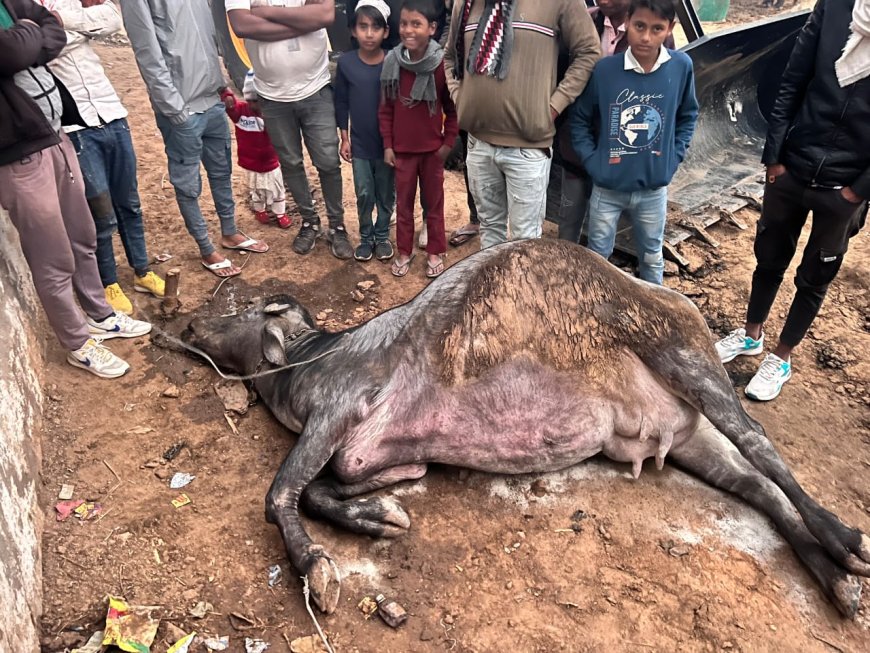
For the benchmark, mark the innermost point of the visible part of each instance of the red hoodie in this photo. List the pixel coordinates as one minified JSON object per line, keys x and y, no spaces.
{"x":252,"y":142}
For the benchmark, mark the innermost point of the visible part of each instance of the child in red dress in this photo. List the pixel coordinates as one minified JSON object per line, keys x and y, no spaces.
{"x":257,"y":156}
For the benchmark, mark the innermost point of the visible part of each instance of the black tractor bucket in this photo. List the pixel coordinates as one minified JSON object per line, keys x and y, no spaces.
{"x":737,"y":75}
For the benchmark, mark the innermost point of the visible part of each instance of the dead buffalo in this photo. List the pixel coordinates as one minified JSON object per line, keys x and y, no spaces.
{"x":526,"y":357}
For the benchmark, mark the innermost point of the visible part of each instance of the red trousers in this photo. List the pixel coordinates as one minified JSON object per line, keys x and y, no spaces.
{"x":429,"y":170}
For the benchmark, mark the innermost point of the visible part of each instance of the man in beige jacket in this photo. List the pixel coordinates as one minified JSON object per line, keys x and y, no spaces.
{"x":507,"y":97}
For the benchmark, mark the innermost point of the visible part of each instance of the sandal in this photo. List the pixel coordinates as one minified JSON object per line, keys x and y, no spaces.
{"x":464,"y":234}
{"x":401,"y":269}
{"x":217,"y":269}
{"x":249,"y":245}
{"x":433,"y":271}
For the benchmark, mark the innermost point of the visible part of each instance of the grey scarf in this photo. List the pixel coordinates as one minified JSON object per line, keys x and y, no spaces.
{"x":424,"y":89}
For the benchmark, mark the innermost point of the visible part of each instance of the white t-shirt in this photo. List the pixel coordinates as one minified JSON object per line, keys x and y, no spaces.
{"x":289,"y":70}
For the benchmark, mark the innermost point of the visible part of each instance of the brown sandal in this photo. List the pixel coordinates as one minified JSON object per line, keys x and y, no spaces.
{"x":433,"y":271}
{"x":401,"y":269}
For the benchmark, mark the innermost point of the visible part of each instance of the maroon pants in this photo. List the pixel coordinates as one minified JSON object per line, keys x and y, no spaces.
{"x":429,"y":170}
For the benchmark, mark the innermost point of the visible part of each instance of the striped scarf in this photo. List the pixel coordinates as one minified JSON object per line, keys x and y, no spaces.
{"x":492,"y":43}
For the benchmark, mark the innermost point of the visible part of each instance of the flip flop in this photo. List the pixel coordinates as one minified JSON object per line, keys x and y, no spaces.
{"x":436,"y":270}
{"x":462,"y":236}
{"x":215,"y":268}
{"x":401,"y":269}
{"x":248,"y":246}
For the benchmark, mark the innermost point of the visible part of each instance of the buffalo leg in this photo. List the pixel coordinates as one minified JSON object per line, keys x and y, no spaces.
{"x":711,"y":457}
{"x":705,"y":385}
{"x":377,"y":516}
{"x":302,"y":465}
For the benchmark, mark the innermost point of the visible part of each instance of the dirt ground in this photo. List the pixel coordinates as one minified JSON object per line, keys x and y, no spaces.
{"x":584,"y":560}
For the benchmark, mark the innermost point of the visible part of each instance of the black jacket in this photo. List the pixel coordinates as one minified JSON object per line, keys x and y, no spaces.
{"x":23,"y":127}
{"x":819,"y":131}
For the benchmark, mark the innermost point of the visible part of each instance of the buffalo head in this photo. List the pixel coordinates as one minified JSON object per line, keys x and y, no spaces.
{"x":243,"y":342}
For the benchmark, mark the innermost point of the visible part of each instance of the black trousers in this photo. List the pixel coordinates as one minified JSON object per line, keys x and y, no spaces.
{"x":787,"y":203}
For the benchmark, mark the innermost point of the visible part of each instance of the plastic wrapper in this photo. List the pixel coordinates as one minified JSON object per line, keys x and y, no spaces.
{"x":129,"y":627}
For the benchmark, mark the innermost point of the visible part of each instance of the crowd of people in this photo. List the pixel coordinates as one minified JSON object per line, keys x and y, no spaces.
{"x":519,"y":82}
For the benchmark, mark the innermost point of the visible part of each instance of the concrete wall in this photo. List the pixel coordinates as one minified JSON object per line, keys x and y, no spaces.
{"x":20,"y":420}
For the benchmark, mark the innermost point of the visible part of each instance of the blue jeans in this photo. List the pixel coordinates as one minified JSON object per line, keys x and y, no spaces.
{"x":647,"y":209}
{"x":375,"y":186}
{"x":108,"y":165}
{"x":204,"y":137}
{"x":509,"y":185}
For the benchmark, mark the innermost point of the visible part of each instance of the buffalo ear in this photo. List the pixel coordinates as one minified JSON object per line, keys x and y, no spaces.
{"x":273,"y":344}
{"x":276,"y":309}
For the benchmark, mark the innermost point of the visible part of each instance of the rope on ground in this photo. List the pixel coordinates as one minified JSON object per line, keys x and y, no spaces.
{"x":307,"y":594}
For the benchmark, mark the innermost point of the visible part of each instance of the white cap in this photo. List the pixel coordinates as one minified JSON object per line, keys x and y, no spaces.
{"x":380,"y":5}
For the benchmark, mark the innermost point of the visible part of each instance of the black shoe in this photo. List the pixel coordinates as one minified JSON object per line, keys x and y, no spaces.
{"x":384,"y":250}
{"x":305,"y":239}
{"x":341,"y":247}
{"x":363,"y":252}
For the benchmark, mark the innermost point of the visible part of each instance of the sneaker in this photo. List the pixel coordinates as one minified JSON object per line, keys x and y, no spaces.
{"x":340,"y":244}
{"x":737,"y":343}
{"x":150,"y":283}
{"x":262,"y":217}
{"x":423,"y":238}
{"x":364,"y":252}
{"x":118,"y":300}
{"x":118,"y":326}
{"x":384,"y":250}
{"x":769,"y":379}
{"x":305,"y":239}
{"x":96,"y":359}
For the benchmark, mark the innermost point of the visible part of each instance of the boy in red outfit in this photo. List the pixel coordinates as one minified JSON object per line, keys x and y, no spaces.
{"x":418,"y":125}
{"x":257,"y":156}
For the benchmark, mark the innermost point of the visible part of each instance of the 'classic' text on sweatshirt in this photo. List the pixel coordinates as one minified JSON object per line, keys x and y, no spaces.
{"x":631,"y":131}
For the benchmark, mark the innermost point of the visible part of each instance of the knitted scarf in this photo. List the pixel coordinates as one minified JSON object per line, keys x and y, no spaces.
{"x":854,"y":64}
{"x":492,"y":43}
{"x":423,"y":89}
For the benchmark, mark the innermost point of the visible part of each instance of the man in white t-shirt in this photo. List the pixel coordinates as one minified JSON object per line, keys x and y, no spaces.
{"x":287,"y":43}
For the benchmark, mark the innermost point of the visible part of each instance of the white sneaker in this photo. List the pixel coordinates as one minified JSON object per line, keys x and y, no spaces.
{"x":769,"y":379}
{"x":96,"y":359}
{"x":737,"y":343}
{"x":118,"y":326}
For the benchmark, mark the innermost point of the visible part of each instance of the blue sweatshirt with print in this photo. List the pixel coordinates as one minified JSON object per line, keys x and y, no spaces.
{"x":630,"y":130}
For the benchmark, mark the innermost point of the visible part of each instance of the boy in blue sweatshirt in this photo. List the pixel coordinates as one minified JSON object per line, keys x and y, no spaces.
{"x":631,"y":128}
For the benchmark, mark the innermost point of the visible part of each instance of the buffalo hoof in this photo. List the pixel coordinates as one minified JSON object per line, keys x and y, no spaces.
{"x":390,"y":517}
{"x":857,"y":559}
{"x":377,"y":517}
{"x":324,"y":579}
{"x":847,"y":596}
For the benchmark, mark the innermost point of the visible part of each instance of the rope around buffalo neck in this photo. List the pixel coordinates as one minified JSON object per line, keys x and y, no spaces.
{"x":255,"y":375}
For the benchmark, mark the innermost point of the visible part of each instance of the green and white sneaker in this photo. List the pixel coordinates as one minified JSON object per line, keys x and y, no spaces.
{"x":96,"y":359}
{"x":737,"y":343}
{"x":769,"y":379}
{"x":118,"y":326}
